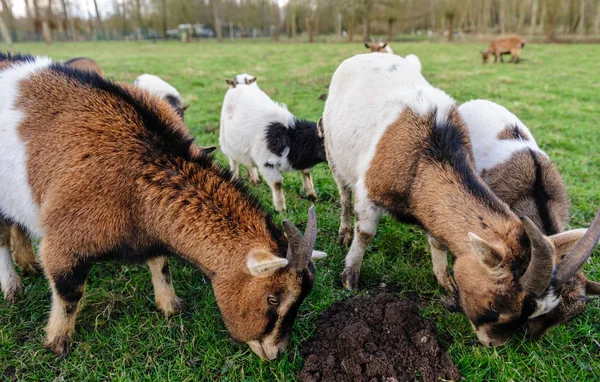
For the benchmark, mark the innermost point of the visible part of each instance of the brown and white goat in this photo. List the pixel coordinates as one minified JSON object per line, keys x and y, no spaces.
{"x":84,"y":63}
{"x":102,"y":171}
{"x":161,"y":88}
{"x":413,"y":159}
{"x":509,"y":160}
{"x":504,"y":45}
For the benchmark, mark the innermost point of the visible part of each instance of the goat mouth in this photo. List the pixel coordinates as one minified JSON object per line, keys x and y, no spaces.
{"x":258,"y":349}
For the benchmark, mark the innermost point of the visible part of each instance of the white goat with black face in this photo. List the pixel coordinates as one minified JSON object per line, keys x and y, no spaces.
{"x":413,"y":159}
{"x":265,"y":137}
{"x":164,"y":90}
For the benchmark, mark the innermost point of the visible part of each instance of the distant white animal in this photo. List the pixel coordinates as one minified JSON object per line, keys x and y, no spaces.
{"x":163,"y":89}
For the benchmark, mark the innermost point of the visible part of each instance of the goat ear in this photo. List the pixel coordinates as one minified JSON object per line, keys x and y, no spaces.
{"x":185,"y":107}
{"x":565,"y":241}
{"x":487,"y":254}
{"x":263,"y":263}
{"x":318,"y":255}
{"x":251,"y":81}
{"x":208,"y":149}
{"x":320,"y":127}
{"x":231,"y":83}
{"x":383,"y":44}
{"x":367,"y":46}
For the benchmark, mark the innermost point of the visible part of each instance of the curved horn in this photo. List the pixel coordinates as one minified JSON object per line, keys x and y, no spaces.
{"x":538,"y":275}
{"x":300,"y":247}
{"x":580,"y":253}
{"x":592,"y":287}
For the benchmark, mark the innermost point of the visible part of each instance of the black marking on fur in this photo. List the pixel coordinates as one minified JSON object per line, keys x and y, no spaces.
{"x":22,"y":58}
{"x":272,"y":316}
{"x":513,"y":132}
{"x":306,"y":286}
{"x":306,"y":148}
{"x":175,"y":104}
{"x":69,"y":286}
{"x":542,"y":197}
{"x":269,"y":165}
{"x":488,"y":317}
{"x":448,"y":144}
{"x":166,"y":272}
{"x":506,"y":330}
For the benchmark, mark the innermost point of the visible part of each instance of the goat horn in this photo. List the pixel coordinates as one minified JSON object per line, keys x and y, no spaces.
{"x":582,"y":251}
{"x":592,"y":287}
{"x":300,"y":247}
{"x":538,"y":275}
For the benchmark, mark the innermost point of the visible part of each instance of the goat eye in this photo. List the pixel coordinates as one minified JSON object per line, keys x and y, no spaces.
{"x":273,"y":301}
{"x":493,"y":308}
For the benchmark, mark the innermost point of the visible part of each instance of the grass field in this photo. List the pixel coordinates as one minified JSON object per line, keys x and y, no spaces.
{"x":121,"y":335}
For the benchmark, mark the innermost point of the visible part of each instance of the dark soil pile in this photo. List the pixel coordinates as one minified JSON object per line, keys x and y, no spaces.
{"x":379,"y":338}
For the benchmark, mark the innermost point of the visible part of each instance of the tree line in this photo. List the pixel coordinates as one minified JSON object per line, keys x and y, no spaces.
{"x":348,"y":19}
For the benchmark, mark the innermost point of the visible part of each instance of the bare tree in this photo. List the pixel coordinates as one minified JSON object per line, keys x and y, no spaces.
{"x":5,"y":33}
{"x":309,"y":30}
{"x":551,"y":8}
{"x":217,"y":18}
{"x":597,"y":20}
{"x":99,"y":19}
{"x":68,"y":20}
{"x":10,"y":18}
{"x":534,"y":11}
{"x":581,"y":16}
{"x":501,"y":18}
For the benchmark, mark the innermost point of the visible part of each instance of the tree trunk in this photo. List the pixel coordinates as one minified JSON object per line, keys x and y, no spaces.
{"x":10,"y":18}
{"x":550,"y":22}
{"x":597,"y":21}
{"x":390,"y":28}
{"x":450,"y":20}
{"x":38,"y":21}
{"x":366,"y":28}
{"x":5,"y":33}
{"x":138,"y":20}
{"x":68,"y":20}
{"x":351,"y":23}
{"x":308,"y":23}
{"x":485,"y":19}
{"x":521,"y":5}
{"x":534,"y":11}
{"x":164,"y":19}
{"x":501,"y":17}
{"x":581,"y":16}
{"x":217,"y":18}
{"x":339,"y":25}
{"x":99,"y":19}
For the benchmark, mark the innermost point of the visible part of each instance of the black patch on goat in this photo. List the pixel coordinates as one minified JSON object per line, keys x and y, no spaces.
{"x":306,"y":286}
{"x":175,"y":104}
{"x":16,"y":57}
{"x":69,"y":286}
{"x":507,"y":329}
{"x":542,"y":197}
{"x":448,"y":144}
{"x":306,"y":148}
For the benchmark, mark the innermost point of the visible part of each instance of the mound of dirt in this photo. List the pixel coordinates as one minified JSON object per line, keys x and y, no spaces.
{"x":379,"y":338}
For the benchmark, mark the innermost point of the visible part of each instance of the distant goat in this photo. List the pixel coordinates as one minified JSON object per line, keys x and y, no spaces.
{"x":163,"y":89}
{"x":265,"y":137}
{"x":504,"y":45}
{"x":413,"y":159}
{"x":509,"y":160}
{"x":103,"y":171}
{"x":379,"y":47}
{"x":84,"y":63}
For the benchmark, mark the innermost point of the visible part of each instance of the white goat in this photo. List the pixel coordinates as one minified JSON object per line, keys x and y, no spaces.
{"x":163,"y":89}
{"x":265,"y":137}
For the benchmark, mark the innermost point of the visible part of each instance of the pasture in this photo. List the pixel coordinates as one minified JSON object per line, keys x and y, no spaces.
{"x":121,"y":334}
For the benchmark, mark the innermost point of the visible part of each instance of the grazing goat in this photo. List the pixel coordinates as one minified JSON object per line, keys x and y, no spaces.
{"x":265,"y":137}
{"x":84,"y":63}
{"x":505,"y":45}
{"x":413,"y":159}
{"x":379,"y":47}
{"x":102,"y":171}
{"x":162,"y":89}
{"x":241,"y":79}
{"x":509,"y":160}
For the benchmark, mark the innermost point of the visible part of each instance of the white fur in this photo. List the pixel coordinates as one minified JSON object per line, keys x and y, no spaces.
{"x":16,"y":200}
{"x":546,"y":304}
{"x":485,"y":120}
{"x":246,"y":113}
{"x":388,"y":48}
{"x":414,"y":60}
{"x":156,"y":85}
{"x":9,"y":279}
{"x":367,"y":93}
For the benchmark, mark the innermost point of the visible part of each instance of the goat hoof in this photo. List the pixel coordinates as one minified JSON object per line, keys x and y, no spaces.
{"x":445,"y":281}
{"x":312,"y":197}
{"x":171,"y":306}
{"x":11,"y":293}
{"x":59,"y":346}
{"x":254,"y":182}
{"x":350,"y":278}
{"x":32,"y":268}
{"x":345,"y":238}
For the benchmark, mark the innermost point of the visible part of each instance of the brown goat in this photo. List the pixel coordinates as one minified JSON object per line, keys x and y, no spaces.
{"x":102,"y":171}
{"x":84,"y":63}
{"x":504,"y":45}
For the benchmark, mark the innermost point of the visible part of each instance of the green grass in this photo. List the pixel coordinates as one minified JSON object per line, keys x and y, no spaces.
{"x":121,"y":335}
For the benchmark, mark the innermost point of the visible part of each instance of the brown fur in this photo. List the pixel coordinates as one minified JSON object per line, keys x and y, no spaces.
{"x":86,"y":64}
{"x":512,"y":133}
{"x":104,"y":190}
{"x":23,"y":254}
{"x":376,"y":47}
{"x":504,"y":45}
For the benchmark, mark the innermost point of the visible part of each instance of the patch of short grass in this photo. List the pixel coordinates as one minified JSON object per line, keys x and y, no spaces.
{"x":121,"y":335}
